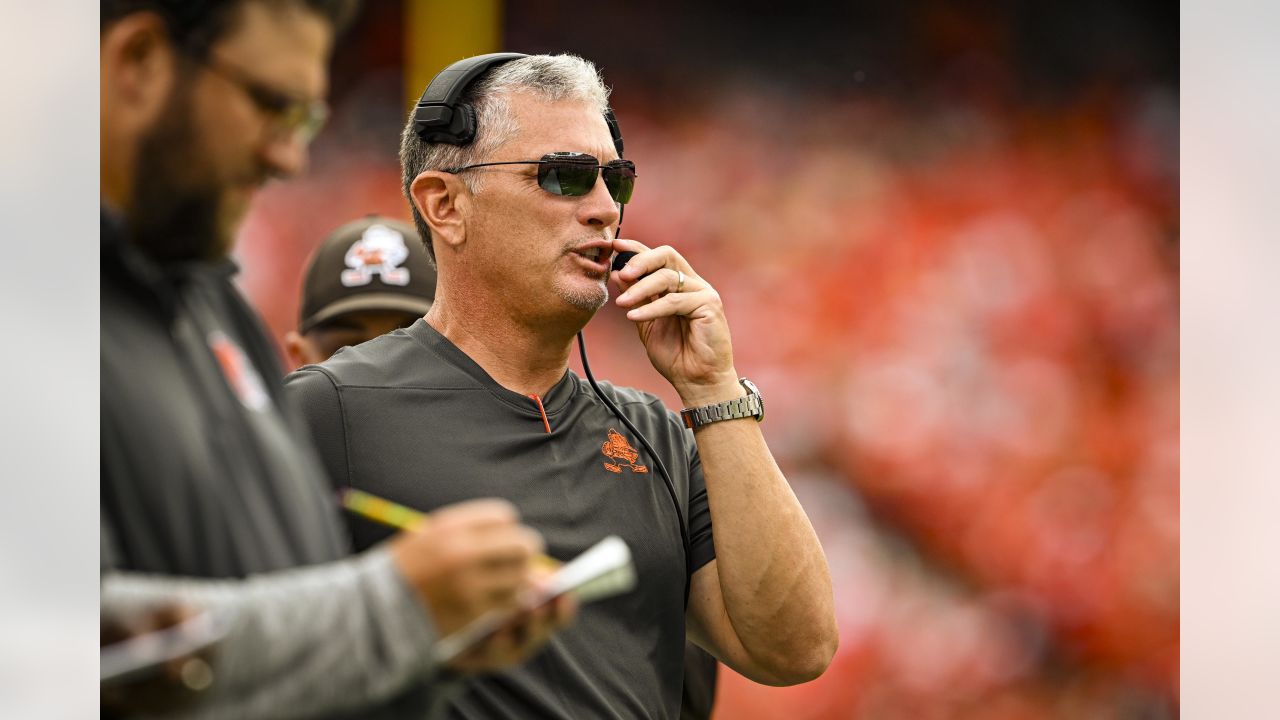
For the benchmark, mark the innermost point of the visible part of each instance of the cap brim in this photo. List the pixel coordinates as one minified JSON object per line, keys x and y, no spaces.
{"x":368,"y":301}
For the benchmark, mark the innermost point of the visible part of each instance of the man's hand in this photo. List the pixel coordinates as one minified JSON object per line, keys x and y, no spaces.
{"x":518,"y":639}
{"x":471,"y":558}
{"x":681,"y":323}
{"x":174,"y":686}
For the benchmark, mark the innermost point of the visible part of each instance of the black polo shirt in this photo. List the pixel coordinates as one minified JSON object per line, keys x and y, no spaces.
{"x":408,"y":416}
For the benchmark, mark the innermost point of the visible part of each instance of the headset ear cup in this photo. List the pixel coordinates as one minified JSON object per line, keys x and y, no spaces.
{"x":466,"y":124}
{"x":428,"y":119}
{"x":441,"y":124}
{"x":440,"y":116}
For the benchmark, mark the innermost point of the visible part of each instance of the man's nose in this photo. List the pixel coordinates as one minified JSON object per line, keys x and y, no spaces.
{"x":286,"y":155}
{"x":598,"y":207}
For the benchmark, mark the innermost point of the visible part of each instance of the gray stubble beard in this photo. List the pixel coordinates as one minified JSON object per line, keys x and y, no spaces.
{"x":591,"y":304}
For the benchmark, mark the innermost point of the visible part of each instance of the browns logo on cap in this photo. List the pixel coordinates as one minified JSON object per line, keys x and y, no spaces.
{"x":374,"y":263}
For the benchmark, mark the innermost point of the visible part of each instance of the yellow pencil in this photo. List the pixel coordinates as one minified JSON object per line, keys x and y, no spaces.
{"x":404,"y":518}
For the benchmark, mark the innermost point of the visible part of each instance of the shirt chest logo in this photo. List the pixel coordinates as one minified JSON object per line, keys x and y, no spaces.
{"x":617,"y":448}
{"x":240,"y":373}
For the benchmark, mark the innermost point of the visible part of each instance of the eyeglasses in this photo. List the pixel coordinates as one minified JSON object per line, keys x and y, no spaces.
{"x":290,"y":116}
{"x":574,"y":174}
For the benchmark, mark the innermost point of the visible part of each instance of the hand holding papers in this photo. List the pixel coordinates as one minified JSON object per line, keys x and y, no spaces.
{"x":602,"y":571}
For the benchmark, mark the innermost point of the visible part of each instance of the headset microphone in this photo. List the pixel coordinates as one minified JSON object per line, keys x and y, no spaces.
{"x":622,"y":258}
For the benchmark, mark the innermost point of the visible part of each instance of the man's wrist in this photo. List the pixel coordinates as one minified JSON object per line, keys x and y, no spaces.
{"x":745,"y":405}
{"x":709,"y":394}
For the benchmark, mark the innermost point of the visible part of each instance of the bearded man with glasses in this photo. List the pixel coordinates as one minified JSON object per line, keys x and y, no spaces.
{"x":212,"y":497}
{"x":477,"y":398}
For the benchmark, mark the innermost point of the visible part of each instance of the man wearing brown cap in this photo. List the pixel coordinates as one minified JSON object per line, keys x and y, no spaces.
{"x":367,"y":278}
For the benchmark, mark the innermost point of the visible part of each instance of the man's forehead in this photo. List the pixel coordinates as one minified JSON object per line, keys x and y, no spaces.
{"x":281,"y":43}
{"x":559,"y":126}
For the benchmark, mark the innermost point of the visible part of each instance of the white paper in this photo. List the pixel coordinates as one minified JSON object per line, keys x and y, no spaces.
{"x":602,"y":571}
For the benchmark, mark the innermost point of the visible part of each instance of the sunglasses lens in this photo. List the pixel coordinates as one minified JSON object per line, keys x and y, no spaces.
{"x":620,"y":178}
{"x":576,"y":174}
{"x":572,"y":178}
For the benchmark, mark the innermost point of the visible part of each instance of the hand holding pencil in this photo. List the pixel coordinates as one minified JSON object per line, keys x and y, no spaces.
{"x":402,"y":517}
{"x":466,"y":560}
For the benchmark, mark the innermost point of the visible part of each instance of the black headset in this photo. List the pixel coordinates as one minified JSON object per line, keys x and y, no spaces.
{"x":441,"y":117}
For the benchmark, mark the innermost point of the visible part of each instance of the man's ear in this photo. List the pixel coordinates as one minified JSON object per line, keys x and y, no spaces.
{"x":138,"y":66}
{"x":441,"y":198}
{"x":299,"y":350}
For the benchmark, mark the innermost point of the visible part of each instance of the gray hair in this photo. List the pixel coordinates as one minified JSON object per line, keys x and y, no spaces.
{"x":552,"y":78}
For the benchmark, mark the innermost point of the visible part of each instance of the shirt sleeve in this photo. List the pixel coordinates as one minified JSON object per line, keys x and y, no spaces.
{"x":702,"y":549}
{"x":312,"y":393}
{"x":322,"y":639}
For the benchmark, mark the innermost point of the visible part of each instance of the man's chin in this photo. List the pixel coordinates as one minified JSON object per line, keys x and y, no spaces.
{"x":587,"y":299}
{"x":183,"y":224}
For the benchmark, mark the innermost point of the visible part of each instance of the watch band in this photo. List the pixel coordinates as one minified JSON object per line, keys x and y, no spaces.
{"x":751,"y":405}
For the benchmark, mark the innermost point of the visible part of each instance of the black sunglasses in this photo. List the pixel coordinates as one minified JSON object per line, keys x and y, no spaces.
{"x":574,"y":174}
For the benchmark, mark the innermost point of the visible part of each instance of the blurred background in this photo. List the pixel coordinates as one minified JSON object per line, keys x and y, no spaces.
{"x":947,"y":241}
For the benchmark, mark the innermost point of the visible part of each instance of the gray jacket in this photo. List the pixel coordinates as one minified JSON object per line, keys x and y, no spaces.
{"x":211,"y":492}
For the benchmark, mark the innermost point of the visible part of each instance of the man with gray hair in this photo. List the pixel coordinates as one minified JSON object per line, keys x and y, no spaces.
{"x":477,"y":399}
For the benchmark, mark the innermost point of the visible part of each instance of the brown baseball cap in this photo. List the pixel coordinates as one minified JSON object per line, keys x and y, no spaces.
{"x":374,"y":263}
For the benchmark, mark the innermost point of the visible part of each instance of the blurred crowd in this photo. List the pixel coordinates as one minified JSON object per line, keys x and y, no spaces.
{"x":962,"y":310}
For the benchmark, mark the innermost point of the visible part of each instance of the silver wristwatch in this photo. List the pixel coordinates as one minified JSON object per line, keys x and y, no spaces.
{"x":752,"y":405}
